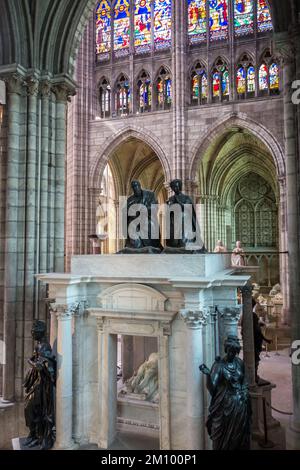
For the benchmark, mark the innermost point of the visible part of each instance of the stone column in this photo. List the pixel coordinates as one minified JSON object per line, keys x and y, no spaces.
{"x":195,"y":320}
{"x":107,"y":385}
{"x":62,"y":93}
{"x":229,"y":320}
{"x":164,"y":386}
{"x":248,"y":337}
{"x":14,"y":87}
{"x":290,"y":51}
{"x":64,"y":384}
{"x":179,"y":91}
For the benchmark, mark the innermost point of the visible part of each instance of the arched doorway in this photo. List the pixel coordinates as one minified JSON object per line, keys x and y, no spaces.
{"x":130,"y":160}
{"x":240,"y":195}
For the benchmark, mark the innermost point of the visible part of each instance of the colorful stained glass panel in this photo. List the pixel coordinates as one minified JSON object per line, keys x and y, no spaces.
{"x":263,"y":78}
{"x":251,"y":79}
{"x":274,"y":77}
{"x":103,"y":30}
{"x":225,"y":83}
{"x":197,"y":21}
{"x":162,"y":24}
{"x":122,"y":27}
{"x":241,"y":81}
{"x":195,"y":87}
{"x":204,"y":86}
{"x":243,"y":17}
{"x":218,"y":19}
{"x":142,"y":26}
{"x":216,"y":84}
{"x":264,"y":20}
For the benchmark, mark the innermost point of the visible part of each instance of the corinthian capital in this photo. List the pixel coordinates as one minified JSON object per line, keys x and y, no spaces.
{"x":230,"y":313}
{"x":14,"y":83}
{"x":32,"y":86}
{"x":63,"y":311}
{"x":62,"y":92}
{"x":194,"y":319}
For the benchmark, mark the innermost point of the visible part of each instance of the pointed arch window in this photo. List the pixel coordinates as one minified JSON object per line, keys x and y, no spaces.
{"x":245,"y":78}
{"x":121,"y":27}
{"x":220,"y":82}
{"x":199,"y":85}
{"x":104,"y":98}
{"x":164,"y":90}
{"x":144,"y":91}
{"x":264,"y":20}
{"x":162,"y":24}
{"x":103,"y":30}
{"x":142,"y":26}
{"x":243,"y":17}
{"x":122,"y":96}
{"x":268,"y":75}
{"x":197,"y":21}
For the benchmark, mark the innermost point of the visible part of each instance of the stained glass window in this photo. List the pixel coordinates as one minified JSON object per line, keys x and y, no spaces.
{"x":164,"y":90}
{"x":197,"y":21}
{"x":241,"y":81}
{"x":251,"y":79}
{"x":218,"y":19}
{"x":225,"y":83}
{"x":142,"y":26}
{"x":264,"y":20}
{"x":243,"y":17}
{"x":122,"y":27}
{"x":274,"y":77}
{"x":122,"y":96}
{"x":195,"y":88}
{"x":199,"y":85}
{"x":204,"y":87}
{"x":104,"y":96}
{"x":263,"y":78}
{"x":216,"y":85}
{"x":162,"y":23}
{"x":103,"y":30}
{"x":144,"y":92}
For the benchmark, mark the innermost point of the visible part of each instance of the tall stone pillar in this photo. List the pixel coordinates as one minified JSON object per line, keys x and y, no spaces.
{"x":195,"y":321}
{"x":290,"y":51}
{"x":14,"y":87}
{"x":64,"y":383}
{"x":179,"y":91}
{"x":62,"y":93}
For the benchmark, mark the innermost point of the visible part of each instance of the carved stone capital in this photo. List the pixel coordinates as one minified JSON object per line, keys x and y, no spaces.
{"x":230,"y":314}
{"x":64,"y":312}
{"x":45,"y":89}
{"x":62,"y":92}
{"x":100,"y":324}
{"x":194,"y":319}
{"x":166,"y":328}
{"x":15,"y":83}
{"x":32,"y":86}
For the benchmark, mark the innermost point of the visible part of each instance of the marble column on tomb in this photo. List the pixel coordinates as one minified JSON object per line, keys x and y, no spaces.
{"x":14,"y":88}
{"x":229,"y":324}
{"x":289,"y":49}
{"x":107,"y":385}
{"x":64,"y":383}
{"x":195,"y":321}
